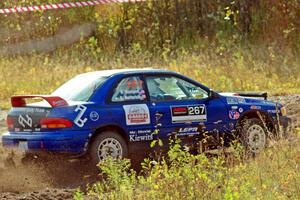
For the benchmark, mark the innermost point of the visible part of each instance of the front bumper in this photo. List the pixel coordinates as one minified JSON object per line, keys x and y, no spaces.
{"x":60,"y":142}
{"x":285,"y":123}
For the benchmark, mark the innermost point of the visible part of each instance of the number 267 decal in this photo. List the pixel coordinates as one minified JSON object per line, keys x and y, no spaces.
{"x":196,"y":110}
{"x":191,"y":113}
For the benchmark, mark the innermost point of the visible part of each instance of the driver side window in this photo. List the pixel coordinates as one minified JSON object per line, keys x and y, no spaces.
{"x":168,"y":88}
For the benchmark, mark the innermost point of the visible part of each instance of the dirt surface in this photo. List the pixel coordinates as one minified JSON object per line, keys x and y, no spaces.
{"x":58,"y":178}
{"x":49,"y":177}
{"x":42,"y":177}
{"x":292,"y":104}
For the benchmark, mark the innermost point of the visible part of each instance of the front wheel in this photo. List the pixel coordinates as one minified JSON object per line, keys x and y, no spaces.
{"x":254,"y":136}
{"x":108,"y":144}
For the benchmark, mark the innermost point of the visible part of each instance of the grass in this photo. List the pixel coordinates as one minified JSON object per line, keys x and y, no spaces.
{"x":274,"y":174}
{"x":240,"y":70}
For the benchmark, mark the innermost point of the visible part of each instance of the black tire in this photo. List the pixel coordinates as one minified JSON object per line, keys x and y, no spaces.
{"x":117,"y":148}
{"x":254,"y":136}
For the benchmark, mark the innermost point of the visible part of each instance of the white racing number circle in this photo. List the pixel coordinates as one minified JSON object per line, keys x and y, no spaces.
{"x":256,"y":138}
{"x":109,"y":147}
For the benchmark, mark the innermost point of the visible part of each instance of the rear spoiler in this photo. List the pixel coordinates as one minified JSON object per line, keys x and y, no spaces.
{"x":54,"y":101}
{"x":253,"y":94}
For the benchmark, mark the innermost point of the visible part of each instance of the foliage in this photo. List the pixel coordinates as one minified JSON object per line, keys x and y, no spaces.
{"x":180,"y":175}
{"x":165,"y":26}
{"x":298,"y":131}
{"x":41,"y":74}
{"x":227,"y":45}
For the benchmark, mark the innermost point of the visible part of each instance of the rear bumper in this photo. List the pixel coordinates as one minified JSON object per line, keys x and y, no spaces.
{"x":60,"y":142}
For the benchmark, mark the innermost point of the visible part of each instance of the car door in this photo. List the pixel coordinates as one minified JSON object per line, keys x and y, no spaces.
{"x":130,"y":109}
{"x":181,"y":107}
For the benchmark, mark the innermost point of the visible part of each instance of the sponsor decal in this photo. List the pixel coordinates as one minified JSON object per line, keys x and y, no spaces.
{"x":94,"y":116}
{"x":134,"y":83}
{"x":188,"y":131}
{"x":79,"y":120}
{"x":147,"y":131}
{"x":232,"y":100}
{"x":235,"y":100}
{"x":241,"y":100}
{"x":28,"y":130}
{"x":234,"y":107}
{"x":140,"y":138}
{"x":137,"y":114}
{"x":218,"y":122}
{"x":193,"y":113}
{"x":255,"y":107}
{"x":180,"y":111}
{"x":134,"y":91}
{"x":241,"y":110}
{"x":25,"y":120}
{"x":133,"y":95}
{"x":36,"y":110}
{"x":59,"y":103}
{"x":233,"y":114}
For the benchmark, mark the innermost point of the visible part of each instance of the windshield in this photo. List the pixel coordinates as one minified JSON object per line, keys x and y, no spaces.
{"x":79,"y":88}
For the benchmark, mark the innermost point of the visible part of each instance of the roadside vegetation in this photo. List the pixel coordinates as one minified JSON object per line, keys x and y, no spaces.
{"x":227,"y":45}
{"x":274,"y":174}
{"x":238,"y":71}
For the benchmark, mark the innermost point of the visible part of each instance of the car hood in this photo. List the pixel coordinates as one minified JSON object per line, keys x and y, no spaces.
{"x":233,"y":98}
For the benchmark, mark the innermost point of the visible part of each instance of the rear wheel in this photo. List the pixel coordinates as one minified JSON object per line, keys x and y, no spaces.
{"x":108,"y":144}
{"x":254,"y":136}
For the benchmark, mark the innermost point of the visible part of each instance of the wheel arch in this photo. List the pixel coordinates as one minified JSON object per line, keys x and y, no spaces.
{"x":259,"y":114}
{"x":108,"y":127}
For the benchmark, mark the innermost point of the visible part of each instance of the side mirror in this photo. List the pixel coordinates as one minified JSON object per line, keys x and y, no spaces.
{"x":213,"y":95}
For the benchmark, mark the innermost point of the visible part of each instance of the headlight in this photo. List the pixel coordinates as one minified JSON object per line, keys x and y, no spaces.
{"x":283,"y":111}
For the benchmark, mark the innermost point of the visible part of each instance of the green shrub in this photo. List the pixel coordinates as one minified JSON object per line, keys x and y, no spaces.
{"x":180,"y":175}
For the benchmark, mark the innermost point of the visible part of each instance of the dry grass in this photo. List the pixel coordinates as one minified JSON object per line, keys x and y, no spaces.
{"x":274,"y":174}
{"x":41,"y":74}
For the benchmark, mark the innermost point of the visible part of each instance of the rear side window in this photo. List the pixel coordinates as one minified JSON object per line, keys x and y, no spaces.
{"x":80,"y":88}
{"x":129,"y":89}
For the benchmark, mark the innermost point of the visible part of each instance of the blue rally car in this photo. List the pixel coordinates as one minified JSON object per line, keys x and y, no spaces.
{"x":119,"y":112}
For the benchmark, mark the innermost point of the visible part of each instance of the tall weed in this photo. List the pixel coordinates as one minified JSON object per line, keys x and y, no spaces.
{"x":274,"y":174}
